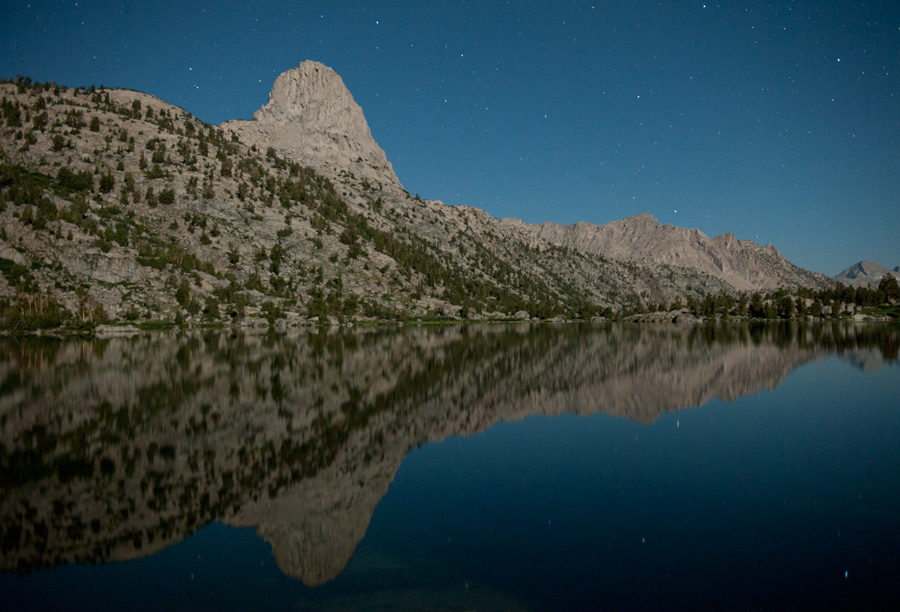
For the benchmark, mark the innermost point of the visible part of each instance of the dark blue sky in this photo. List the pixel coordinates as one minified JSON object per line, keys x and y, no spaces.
{"x":778,"y":122}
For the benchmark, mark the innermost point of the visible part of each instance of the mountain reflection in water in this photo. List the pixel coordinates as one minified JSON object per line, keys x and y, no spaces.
{"x":115,"y":449}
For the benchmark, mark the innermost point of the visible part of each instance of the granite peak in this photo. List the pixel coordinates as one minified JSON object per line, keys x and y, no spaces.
{"x":312,"y":117}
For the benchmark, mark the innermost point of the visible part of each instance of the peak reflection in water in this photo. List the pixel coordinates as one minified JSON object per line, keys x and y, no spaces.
{"x":115,"y":449}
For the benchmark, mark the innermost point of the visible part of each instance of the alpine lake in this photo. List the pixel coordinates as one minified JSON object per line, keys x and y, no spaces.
{"x":463,"y":467}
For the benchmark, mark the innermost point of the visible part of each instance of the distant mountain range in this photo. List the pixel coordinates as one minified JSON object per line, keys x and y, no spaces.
{"x":114,"y":201}
{"x":864,"y":273}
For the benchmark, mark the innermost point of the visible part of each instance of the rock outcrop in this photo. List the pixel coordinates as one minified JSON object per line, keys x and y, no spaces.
{"x":679,"y":317}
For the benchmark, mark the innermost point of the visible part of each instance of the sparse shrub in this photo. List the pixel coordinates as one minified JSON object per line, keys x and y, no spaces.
{"x":107,"y":182}
{"x":183,"y":293}
{"x":75,"y":181}
{"x":167,"y":196}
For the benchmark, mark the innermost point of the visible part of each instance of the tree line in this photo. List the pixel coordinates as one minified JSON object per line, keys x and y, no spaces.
{"x":834,"y":302}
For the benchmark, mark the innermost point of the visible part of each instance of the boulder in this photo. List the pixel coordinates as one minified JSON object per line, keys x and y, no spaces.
{"x":451,"y":311}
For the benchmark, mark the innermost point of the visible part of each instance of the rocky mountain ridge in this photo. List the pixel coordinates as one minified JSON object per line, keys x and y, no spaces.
{"x":865,"y":272}
{"x":296,"y":100}
{"x":641,"y":239}
{"x":116,"y":204}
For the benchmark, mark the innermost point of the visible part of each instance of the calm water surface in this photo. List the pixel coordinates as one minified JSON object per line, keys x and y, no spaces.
{"x":463,"y":468}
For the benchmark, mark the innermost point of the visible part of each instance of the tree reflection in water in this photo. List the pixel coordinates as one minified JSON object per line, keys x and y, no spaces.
{"x":114,"y":449}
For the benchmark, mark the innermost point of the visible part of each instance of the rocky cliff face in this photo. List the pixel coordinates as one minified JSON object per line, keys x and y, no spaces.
{"x":114,"y":203}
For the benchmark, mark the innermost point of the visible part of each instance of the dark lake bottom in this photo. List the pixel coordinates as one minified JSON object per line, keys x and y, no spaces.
{"x":465,"y":468}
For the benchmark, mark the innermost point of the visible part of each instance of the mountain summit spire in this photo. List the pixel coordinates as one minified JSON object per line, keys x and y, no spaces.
{"x":312,"y":118}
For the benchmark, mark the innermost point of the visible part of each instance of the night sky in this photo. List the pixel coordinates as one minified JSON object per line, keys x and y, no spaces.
{"x":778,"y":122}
